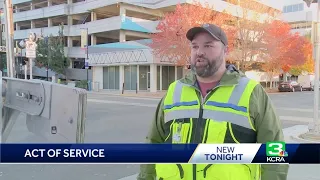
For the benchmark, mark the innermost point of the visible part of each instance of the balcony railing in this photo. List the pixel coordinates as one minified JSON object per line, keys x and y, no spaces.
{"x":103,"y":25}
{"x":45,"y":12}
{"x":97,"y":26}
{"x":46,"y":31}
{"x":20,"y":1}
{"x":301,"y":16}
{"x":75,"y":52}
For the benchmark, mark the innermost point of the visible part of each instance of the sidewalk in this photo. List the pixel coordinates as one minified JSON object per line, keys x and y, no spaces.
{"x":296,"y":172}
{"x":303,"y":171}
{"x":145,"y":94}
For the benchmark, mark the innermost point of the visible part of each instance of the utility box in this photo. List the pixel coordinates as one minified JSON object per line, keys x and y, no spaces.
{"x":53,"y":111}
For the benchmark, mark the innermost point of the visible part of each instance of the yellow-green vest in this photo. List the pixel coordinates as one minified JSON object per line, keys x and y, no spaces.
{"x":223,"y":118}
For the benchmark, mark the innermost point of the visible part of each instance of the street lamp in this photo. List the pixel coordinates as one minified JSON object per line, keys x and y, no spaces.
{"x":316,"y":126}
{"x":46,"y":40}
{"x":85,"y":45}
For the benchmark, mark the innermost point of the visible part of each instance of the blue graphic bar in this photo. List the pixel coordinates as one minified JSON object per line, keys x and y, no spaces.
{"x":156,"y":153}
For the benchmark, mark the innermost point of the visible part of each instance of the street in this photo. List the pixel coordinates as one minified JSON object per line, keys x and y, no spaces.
{"x":118,"y":119}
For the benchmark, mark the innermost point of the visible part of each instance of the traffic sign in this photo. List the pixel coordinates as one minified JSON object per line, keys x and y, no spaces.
{"x":31,"y":49}
{"x":3,"y":49}
{"x":31,"y":54}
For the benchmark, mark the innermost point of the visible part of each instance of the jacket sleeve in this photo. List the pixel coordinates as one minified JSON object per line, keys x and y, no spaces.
{"x":155,"y":135}
{"x":268,"y":127}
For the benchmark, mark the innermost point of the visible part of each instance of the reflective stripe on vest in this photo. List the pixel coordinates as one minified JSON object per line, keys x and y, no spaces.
{"x":238,"y":119}
{"x":181,"y":114}
{"x":234,"y":98}
{"x":226,"y":116}
{"x":238,"y":91}
{"x":209,"y":114}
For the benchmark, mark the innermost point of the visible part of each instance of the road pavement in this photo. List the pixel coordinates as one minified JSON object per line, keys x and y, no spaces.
{"x":117,"y":119}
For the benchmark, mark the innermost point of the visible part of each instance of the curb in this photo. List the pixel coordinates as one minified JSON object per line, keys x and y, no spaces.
{"x":293,"y":134}
{"x":146,"y":96}
{"x":297,"y":138}
{"x":275,"y":93}
{"x":128,"y":95}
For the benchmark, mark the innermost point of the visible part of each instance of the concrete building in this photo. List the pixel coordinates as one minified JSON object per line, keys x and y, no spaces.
{"x":300,"y":16}
{"x":118,"y":35}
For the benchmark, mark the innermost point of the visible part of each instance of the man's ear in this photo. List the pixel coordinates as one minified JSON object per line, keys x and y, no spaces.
{"x":226,"y":50}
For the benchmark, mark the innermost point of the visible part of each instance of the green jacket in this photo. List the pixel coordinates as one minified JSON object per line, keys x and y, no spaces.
{"x":262,"y":114}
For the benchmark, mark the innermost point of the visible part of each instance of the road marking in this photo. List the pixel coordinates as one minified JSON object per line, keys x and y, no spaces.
{"x":288,"y":118}
{"x":132,"y":177}
{"x":296,"y":109}
{"x":122,"y":103}
{"x":296,"y":118}
{"x":136,"y":98}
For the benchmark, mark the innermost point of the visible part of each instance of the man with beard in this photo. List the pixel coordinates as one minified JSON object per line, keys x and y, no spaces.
{"x":214,"y":104}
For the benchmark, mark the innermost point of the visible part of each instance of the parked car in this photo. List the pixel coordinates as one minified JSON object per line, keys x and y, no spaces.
{"x":289,"y":86}
{"x":306,"y":81}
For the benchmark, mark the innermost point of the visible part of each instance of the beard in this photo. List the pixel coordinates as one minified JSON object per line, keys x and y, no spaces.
{"x":204,"y":67}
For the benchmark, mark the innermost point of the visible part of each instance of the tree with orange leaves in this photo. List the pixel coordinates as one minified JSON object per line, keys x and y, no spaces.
{"x":271,"y":68}
{"x":308,"y":66}
{"x":253,"y":17}
{"x":171,"y":44}
{"x":282,"y":48}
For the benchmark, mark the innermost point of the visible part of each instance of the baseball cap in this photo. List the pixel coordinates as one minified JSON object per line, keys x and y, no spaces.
{"x":212,"y":29}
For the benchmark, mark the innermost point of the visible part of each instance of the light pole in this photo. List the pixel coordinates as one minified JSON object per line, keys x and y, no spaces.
{"x":315,"y":130}
{"x":9,"y":38}
{"x":46,"y":40}
{"x":85,"y":45}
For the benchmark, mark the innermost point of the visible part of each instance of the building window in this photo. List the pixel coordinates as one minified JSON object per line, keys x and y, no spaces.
{"x":295,"y":8}
{"x":289,"y":8}
{"x":179,"y":72}
{"x":301,"y":7}
{"x":130,"y":77}
{"x":144,"y":77}
{"x":158,"y":78}
{"x":168,"y":76}
{"x":111,"y":77}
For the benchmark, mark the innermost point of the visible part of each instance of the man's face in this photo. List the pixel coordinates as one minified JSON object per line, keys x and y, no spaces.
{"x":207,"y":54}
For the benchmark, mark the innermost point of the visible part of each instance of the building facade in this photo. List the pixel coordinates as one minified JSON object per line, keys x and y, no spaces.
{"x":300,"y":16}
{"x":119,"y":31}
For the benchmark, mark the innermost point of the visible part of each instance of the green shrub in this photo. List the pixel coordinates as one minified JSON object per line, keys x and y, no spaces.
{"x":82,"y":84}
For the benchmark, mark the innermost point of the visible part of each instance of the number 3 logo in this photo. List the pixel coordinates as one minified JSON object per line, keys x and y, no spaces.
{"x":275,"y":148}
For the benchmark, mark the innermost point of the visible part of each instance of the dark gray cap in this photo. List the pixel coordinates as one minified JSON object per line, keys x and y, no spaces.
{"x":212,"y":29}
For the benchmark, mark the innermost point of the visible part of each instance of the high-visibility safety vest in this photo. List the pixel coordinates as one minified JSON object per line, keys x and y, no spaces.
{"x":223,"y":118}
